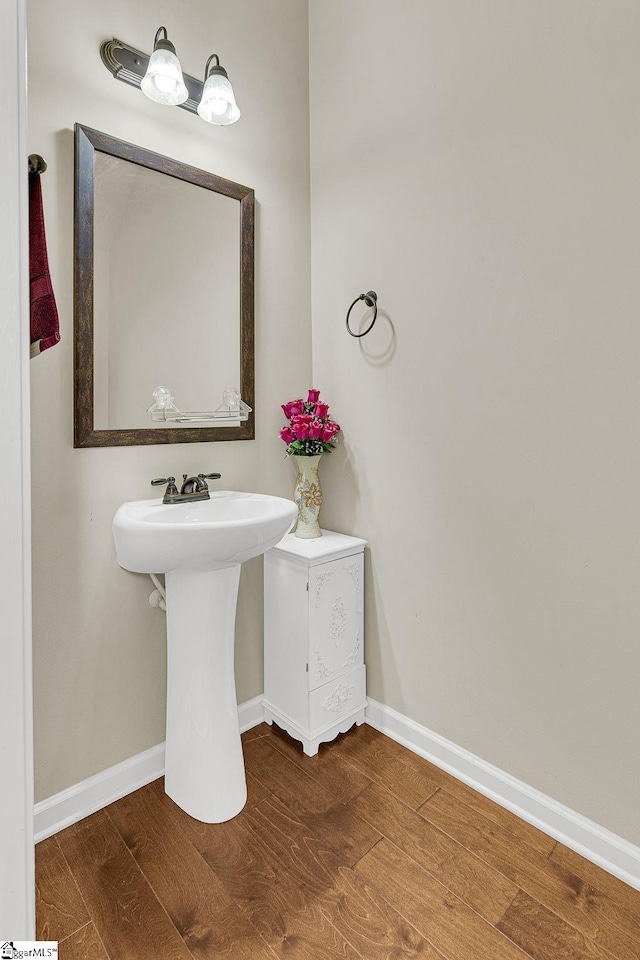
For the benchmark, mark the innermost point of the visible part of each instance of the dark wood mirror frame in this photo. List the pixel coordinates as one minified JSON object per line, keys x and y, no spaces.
{"x":87,"y":142}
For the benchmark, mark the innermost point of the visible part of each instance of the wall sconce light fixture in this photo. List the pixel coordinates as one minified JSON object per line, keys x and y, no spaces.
{"x":163,"y":80}
{"x":217,"y":104}
{"x":160,"y":78}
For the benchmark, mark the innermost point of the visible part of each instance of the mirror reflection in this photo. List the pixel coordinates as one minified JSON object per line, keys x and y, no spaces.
{"x":166,"y":293}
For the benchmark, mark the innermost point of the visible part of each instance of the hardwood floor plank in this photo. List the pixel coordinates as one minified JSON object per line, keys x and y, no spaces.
{"x":452,"y":927}
{"x":377,"y":759}
{"x":339,"y":829}
{"x":256,"y":791}
{"x":60,"y":909}
{"x":313,"y":937}
{"x":204,"y":915}
{"x":482,"y":887}
{"x":127,"y":915}
{"x":279,"y":908}
{"x":239,"y":862}
{"x":370,"y":924}
{"x":327,"y":767}
{"x":284,"y":779}
{"x":251,"y":878}
{"x":544,"y":935}
{"x":492,"y":811}
{"x":261,"y":730}
{"x":360,"y":914}
{"x":84,"y":944}
{"x":588,"y":910}
{"x":621,"y":893}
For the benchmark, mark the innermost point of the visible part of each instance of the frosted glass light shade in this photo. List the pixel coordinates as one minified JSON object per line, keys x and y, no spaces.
{"x":218,"y":104}
{"x":163,"y":81}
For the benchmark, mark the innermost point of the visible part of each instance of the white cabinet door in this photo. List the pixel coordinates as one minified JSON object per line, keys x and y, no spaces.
{"x":335,"y":619}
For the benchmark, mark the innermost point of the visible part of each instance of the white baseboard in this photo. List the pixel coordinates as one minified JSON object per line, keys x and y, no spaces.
{"x":595,"y":843}
{"x":96,"y":792}
{"x":251,"y":713}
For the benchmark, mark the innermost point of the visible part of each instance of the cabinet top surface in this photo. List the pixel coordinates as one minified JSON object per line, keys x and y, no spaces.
{"x":321,"y":549}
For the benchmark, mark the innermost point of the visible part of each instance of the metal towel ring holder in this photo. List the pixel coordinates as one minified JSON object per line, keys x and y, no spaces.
{"x":371,"y":300}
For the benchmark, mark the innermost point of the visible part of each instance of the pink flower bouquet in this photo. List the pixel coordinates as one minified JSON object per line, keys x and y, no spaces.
{"x":310,"y":431}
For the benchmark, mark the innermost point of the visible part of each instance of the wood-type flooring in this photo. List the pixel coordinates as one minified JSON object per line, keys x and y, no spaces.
{"x":365,"y":851}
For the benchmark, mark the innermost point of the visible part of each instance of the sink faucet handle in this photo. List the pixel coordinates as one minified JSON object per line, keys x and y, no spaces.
{"x":210,"y":476}
{"x":171,"y":484}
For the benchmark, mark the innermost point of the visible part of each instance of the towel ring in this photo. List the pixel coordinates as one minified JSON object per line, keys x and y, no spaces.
{"x":371,"y":300}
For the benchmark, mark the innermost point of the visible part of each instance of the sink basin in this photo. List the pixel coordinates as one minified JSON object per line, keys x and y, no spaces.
{"x":199,"y":547}
{"x":153,"y":537}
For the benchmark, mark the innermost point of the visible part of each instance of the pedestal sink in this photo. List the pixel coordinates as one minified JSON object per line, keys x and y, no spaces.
{"x":199,"y":547}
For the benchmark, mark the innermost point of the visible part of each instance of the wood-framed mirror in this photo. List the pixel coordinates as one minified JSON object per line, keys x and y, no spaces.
{"x":163,"y":294}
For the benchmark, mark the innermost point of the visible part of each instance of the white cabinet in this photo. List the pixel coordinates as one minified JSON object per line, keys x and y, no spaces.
{"x":314,"y":673}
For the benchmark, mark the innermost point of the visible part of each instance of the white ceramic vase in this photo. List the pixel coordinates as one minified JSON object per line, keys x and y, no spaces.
{"x":308,"y":497}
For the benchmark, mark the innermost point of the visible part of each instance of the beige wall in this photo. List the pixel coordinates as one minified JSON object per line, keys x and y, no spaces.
{"x":477,"y":165}
{"x":99,"y":648}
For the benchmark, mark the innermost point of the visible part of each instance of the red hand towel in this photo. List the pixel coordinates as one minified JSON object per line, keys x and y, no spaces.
{"x":44,"y":313}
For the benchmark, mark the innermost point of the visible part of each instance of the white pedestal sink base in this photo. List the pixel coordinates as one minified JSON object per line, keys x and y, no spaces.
{"x":204,"y":766}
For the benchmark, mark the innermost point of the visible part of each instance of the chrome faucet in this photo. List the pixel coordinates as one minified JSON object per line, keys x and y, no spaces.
{"x":193,"y":488}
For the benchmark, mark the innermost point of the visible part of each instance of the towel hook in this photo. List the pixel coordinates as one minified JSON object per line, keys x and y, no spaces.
{"x":37,"y":164}
{"x":371,"y":300}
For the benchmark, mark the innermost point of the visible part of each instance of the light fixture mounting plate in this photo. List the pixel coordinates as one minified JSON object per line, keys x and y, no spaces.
{"x":130,"y":65}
